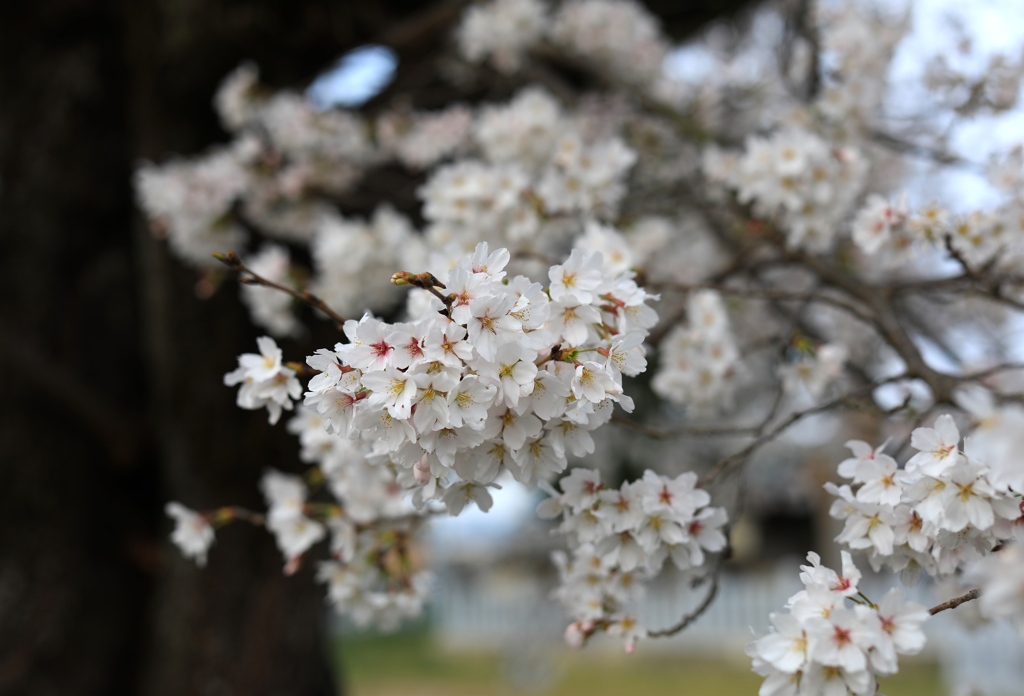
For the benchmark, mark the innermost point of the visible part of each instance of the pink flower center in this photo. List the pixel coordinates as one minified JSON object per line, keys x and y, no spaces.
{"x":841,"y":636}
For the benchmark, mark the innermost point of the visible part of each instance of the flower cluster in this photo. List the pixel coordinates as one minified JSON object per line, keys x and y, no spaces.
{"x":193,"y":534}
{"x":266,"y":382}
{"x":891,"y":229}
{"x":294,"y":531}
{"x":420,"y":140}
{"x":813,"y":371}
{"x":1000,"y":577}
{"x":822,"y":645}
{"x":528,"y":174}
{"x":860,"y":45}
{"x":351,"y":256}
{"x":374,"y":586}
{"x":621,"y":536}
{"x":502,"y":31}
{"x":502,"y":375}
{"x":371,"y":576}
{"x":366,"y":491}
{"x":537,"y":169}
{"x":699,"y":359}
{"x":188,"y":201}
{"x":619,"y":37}
{"x":946,"y":508}
{"x":485,"y":371}
{"x":286,"y":154}
{"x":795,"y":178}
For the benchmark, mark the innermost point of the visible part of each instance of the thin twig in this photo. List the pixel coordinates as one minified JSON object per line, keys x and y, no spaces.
{"x":955,"y":602}
{"x":897,"y":144}
{"x":693,"y":615}
{"x":765,"y":436}
{"x":232,"y":261}
{"x":665,"y":433}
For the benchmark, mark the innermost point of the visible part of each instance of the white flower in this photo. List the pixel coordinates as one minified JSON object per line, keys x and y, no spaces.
{"x":840,"y":640}
{"x":896,"y":629}
{"x":785,"y":648}
{"x":966,"y":498}
{"x":265,"y":381}
{"x":578,"y":279}
{"x":511,"y":372}
{"x":490,"y":324}
{"x":938,"y":447}
{"x":468,"y":402}
{"x":294,"y":532}
{"x":192,"y":533}
{"x":591,"y":381}
{"x":371,"y":346}
{"x":572,"y":321}
{"x":679,"y":495}
{"x":392,"y":389}
{"x":458,"y":495}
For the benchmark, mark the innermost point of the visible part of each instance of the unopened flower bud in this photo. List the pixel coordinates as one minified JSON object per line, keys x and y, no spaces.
{"x":421,"y":471}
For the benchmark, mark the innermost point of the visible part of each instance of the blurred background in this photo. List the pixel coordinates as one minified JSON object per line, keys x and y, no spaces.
{"x":111,"y":358}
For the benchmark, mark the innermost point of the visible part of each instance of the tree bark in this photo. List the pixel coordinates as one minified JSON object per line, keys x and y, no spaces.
{"x":111,"y":368}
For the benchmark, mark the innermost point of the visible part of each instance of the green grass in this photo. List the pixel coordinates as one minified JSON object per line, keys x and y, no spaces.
{"x":411,"y":664}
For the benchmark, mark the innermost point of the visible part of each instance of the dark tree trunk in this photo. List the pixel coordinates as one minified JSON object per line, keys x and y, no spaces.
{"x":110,"y":367}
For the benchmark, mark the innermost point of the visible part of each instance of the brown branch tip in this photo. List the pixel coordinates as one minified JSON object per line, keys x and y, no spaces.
{"x":955,"y":602}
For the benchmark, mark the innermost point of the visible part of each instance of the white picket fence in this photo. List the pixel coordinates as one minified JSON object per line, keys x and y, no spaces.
{"x":989,"y":660}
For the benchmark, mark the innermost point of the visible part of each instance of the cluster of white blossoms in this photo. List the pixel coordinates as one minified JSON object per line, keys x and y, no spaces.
{"x":946,"y":508}
{"x":505,"y":375}
{"x":527,"y":176}
{"x":353,"y":259}
{"x":796,"y":179}
{"x":485,"y":372}
{"x":620,"y":537}
{"x":189,"y":200}
{"x":823,"y":645}
{"x":890,"y":230}
{"x":699,"y":360}
{"x":1000,"y":577}
{"x":294,"y":531}
{"x":883,"y":223}
{"x":498,"y":374}
{"x":374,"y":586}
{"x":366,"y":490}
{"x":369,"y":577}
{"x":859,"y":46}
{"x":813,"y":371}
{"x":618,"y":36}
{"x":538,"y":171}
{"x":420,"y":140}
{"x":502,"y":31}
{"x":193,"y":533}
{"x":284,"y":150}
{"x":265,"y":381}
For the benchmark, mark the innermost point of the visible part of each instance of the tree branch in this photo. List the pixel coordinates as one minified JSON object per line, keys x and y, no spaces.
{"x":955,"y":602}
{"x":232,"y":261}
{"x":693,"y":615}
